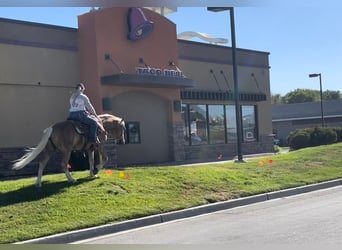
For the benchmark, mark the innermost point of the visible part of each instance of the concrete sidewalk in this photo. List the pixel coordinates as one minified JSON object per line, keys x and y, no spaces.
{"x":78,"y":235}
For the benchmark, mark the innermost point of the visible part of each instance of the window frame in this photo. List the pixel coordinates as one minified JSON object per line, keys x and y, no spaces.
{"x":187,"y":127}
{"x":128,"y":133}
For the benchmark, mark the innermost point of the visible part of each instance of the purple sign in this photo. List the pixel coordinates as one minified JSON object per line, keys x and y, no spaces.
{"x":139,"y":26}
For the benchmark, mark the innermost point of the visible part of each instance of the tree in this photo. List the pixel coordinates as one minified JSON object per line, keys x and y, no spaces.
{"x":276,"y":99}
{"x":305,"y":95}
{"x":331,"y":95}
{"x":302,"y":95}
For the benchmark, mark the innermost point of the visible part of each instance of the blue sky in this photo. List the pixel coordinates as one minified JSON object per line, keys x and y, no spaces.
{"x":302,"y":38}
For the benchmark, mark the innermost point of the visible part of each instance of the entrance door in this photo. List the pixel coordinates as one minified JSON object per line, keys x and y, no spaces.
{"x":150,"y":113}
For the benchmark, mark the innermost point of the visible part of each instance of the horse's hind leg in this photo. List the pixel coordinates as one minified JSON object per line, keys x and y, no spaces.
{"x":45,"y":156}
{"x":65,"y":160}
{"x":42,"y":165}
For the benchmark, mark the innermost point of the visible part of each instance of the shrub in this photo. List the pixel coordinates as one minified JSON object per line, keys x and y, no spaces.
{"x":299,"y":138}
{"x":310,"y":137}
{"x":322,"y":136}
{"x":276,"y":148}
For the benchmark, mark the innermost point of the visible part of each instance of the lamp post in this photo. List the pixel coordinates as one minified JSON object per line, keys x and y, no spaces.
{"x":235,"y":77}
{"x":321,"y":93}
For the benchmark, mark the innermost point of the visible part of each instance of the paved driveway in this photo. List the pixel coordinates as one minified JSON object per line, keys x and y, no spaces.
{"x":314,"y":218}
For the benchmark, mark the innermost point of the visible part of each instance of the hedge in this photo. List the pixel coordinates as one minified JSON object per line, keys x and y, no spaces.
{"x":310,"y":137}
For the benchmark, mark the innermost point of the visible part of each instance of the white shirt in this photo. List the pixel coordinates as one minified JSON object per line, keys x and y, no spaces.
{"x":80,"y":102}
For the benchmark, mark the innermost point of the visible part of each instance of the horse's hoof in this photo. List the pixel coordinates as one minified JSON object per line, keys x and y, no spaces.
{"x":96,"y":170}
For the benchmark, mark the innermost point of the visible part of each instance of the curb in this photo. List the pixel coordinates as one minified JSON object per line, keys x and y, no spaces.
{"x":83,"y":234}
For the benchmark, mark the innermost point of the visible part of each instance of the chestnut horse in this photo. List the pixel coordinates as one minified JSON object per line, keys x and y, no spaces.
{"x":63,"y":137}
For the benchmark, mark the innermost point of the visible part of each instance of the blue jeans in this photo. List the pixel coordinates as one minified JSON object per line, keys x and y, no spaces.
{"x":84,"y":118}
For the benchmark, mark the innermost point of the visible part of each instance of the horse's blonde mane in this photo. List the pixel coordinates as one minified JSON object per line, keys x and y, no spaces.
{"x":109,"y":117}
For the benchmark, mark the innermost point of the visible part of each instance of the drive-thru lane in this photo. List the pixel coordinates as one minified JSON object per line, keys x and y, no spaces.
{"x":314,"y":217}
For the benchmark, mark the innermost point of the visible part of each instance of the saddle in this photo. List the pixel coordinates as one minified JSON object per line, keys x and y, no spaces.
{"x":81,"y":128}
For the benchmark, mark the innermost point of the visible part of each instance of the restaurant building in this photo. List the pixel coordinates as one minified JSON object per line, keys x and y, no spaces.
{"x":176,"y":96}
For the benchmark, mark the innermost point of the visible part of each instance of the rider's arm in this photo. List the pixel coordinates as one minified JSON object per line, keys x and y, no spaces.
{"x":89,"y":106}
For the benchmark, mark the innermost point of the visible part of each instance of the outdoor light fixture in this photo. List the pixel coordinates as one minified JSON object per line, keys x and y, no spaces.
{"x":107,"y":57}
{"x":321,"y":93}
{"x":142,"y":61}
{"x":217,"y":84}
{"x":225,"y":79}
{"x":235,"y":77}
{"x":172,"y":64}
{"x":256,"y":82}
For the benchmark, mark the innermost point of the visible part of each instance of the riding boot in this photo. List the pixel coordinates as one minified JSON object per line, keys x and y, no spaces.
{"x":93,"y":140}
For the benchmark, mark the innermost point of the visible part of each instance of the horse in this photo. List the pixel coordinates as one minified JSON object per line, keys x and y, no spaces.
{"x":64,"y":137}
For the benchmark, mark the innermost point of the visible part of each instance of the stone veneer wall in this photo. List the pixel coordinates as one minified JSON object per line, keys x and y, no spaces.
{"x":228,"y":151}
{"x":7,"y":155}
{"x":176,"y":140}
{"x":111,"y":151}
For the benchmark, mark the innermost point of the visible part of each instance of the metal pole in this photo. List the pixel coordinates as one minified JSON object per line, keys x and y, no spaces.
{"x":236,"y":88}
{"x":235,"y":76}
{"x":321,"y":93}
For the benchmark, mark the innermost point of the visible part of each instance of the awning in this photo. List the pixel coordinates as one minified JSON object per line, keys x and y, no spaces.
{"x":147,"y":81}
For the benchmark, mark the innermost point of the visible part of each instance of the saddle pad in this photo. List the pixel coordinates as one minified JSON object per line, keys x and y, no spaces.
{"x":80,"y":127}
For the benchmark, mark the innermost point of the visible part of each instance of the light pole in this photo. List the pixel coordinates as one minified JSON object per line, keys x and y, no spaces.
{"x":321,"y":94}
{"x":235,"y":77}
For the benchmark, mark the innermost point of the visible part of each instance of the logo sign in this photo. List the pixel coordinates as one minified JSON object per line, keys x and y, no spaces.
{"x":160,"y":72}
{"x":138,"y":25}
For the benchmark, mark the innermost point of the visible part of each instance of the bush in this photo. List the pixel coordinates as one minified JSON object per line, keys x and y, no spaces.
{"x":310,"y":137}
{"x":299,"y":138}
{"x":276,"y":148}
{"x":322,"y":136}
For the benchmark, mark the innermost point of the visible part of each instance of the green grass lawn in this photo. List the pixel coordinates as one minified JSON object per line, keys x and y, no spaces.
{"x":27,"y":212}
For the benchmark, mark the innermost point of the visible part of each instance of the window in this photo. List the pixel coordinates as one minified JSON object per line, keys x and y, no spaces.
{"x":133,"y":132}
{"x":231,"y":123}
{"x":216,"y":124}
{"x":248,"y":123}
{"x":185,"y":119}
{"x":198,"y":124}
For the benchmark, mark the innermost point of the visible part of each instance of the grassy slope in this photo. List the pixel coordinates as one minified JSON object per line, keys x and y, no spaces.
{"x":28,"y":212}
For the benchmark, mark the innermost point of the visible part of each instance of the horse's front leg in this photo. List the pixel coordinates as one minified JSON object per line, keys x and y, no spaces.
{"x":90,"y":153}
{"x":102,"y":157}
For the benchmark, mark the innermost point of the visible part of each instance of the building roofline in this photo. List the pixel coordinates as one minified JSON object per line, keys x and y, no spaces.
{"x":305,"y":118}
{"x":222,"y":46}
{"x":8,"y":20}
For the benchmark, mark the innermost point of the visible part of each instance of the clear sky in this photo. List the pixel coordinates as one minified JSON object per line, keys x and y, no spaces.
{"x":302,"y":37}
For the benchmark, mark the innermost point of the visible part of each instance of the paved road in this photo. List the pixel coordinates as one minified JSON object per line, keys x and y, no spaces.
{"x":310,"y":218}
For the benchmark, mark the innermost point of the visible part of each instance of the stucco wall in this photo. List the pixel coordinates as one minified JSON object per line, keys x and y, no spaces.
{"x":37,"y":75}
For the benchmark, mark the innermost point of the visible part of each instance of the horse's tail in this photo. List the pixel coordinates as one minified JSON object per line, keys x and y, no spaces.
{"x":34,"y":152}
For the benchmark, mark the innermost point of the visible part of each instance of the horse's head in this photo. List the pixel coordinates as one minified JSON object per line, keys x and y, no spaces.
{"x":115,"y":127}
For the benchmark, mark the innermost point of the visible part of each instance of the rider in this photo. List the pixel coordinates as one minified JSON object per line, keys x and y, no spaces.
{"x":82,"y":110}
